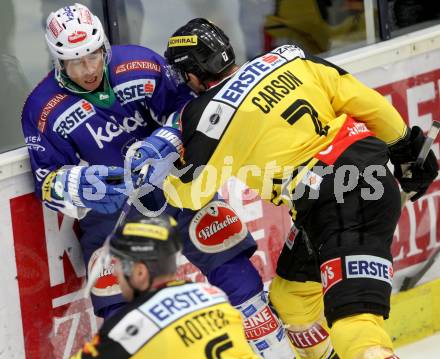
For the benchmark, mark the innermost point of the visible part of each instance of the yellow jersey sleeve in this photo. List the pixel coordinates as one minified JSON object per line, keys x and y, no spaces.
{"x":350,"y":96}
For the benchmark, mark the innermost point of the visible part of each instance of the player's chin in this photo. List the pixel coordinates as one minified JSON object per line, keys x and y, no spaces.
{"x":92,"y":84}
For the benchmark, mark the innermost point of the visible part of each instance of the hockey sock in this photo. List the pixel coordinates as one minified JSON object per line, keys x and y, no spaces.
{"x":362,"y":336}
{"x":300,"y":306}
{"x":239,"y":279}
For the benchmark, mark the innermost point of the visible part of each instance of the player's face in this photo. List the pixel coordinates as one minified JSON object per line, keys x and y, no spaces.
{"x":86,"y":71}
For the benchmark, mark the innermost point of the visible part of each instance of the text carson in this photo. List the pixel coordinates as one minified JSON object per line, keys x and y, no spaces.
{"x":276,"y":91}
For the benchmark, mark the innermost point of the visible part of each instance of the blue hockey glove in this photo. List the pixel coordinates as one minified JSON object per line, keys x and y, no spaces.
{"x":159,"y":150}
{"x":99,"y":188}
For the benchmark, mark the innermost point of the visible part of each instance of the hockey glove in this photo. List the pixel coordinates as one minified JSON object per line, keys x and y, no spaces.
{"x":159,"y":150}
{"x":99,"y":188}
{"x":403,"y":155}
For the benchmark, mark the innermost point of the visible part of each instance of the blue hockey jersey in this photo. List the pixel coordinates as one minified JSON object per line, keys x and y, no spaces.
{"x":63,"y":128}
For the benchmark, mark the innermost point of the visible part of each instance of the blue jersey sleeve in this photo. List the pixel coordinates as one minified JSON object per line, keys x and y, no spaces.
{"x":174,"y":96}
{"x":208,"y":259}
{"x":47,"y":150}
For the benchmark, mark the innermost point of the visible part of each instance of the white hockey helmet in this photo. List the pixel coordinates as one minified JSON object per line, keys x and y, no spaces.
{"x":73,"y":32}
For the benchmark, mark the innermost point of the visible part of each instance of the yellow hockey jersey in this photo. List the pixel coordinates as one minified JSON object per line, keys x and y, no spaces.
{"x":182,"y":320}
{"x":276,"y":114}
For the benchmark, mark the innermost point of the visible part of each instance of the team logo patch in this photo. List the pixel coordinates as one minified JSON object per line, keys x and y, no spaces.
{"x":47,"y":109}
{"x":331,"y":273}
{"x":244,"y":80}
{"x":172,"y":303}
{"x":260,"y":324}
{"x":76,"y":36}
{"x":216,"y":228}
{"x":134,"y":90}
{"x":137,"y":65}
{"x":107,"y":283}
{"x":371,"y":267}
{"x":74,"y":116}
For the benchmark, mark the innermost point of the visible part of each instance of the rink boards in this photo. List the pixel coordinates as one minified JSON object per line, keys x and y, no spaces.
{"x":42,"y":310}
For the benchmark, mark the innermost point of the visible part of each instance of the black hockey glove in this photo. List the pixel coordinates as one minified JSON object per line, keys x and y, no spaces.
{"x":405,"y":152}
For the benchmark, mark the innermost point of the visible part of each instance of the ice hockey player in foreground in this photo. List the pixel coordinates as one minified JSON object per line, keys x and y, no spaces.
{"x":164,"y":318}
{"x":304,"y":133}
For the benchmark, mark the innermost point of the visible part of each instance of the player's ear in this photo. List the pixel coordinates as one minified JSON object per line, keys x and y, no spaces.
{"x":140,"y":275}
{"x":195,"y":83}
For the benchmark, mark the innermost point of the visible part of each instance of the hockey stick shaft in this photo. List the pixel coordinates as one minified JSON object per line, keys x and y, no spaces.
{"x":429,"y":141}
{"x":104,"y":258}
{"x":410,"y":282}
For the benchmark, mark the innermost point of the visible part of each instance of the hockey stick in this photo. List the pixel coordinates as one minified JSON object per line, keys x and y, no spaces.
{"x":104,"y":257}
{"x":410,"y":282}
{"x":430,"y":138}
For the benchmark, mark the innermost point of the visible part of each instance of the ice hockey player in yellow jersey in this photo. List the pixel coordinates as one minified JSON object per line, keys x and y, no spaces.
{"x":304,"y":133}
{"x":164,"y":318}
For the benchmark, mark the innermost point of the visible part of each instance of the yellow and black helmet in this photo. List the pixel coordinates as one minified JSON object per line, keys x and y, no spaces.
{"x":200,"y":47}
{"x":153,"y":241}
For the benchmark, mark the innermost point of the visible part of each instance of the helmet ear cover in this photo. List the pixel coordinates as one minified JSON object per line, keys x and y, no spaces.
{"x":201,"y":48}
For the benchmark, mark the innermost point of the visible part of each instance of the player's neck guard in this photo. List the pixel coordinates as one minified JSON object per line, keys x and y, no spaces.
{"x":104,"y":96}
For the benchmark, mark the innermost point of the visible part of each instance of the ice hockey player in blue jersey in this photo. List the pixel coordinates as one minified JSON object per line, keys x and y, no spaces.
{"x":78,"y":124}
{"x":80,"y":119}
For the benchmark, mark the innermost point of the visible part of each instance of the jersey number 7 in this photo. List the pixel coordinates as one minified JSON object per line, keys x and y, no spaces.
{"x":300,"y":108}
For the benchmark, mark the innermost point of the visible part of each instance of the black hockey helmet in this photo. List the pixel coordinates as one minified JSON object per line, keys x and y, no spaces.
{"x":201,"y":48}
{"x":153,"y":241}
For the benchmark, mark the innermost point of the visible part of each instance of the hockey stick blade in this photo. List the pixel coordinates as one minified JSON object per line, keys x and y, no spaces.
{"x":410,"y":282}
{"x":429,"y":141}
{"x":104,"y":258}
